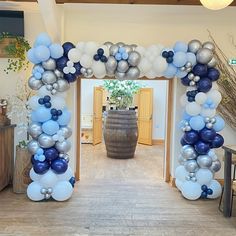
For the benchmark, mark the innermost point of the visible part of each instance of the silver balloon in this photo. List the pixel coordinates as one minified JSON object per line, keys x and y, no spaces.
{"x":191,"y":76}
{"x":46,"y":141}
{"x":122,"y":66}
{"x":34,"y":83}
{"x":192,"y":174}
{"x":110,"y":73}
{"x":43,"y":191}
{"x":63,"y":85}
{"x":49,"y":87}
{"x":63,"y":147}
{"x":50,"y":64}
{"x":213,"y":62}
{"x":216,"y":165}
{"x":188,"y":152}
{"x":49,"y":77}
{"x":191,"y":166}
{"x":207,"y":119}
{"x":209,"y":125}
{"x":196,"y":78}
{"x":89,"y":72}
{"x":134,"y":58}
{"x":58,"y":73}
{"x":65,"y":157}
{"x":213,"y":120}
{"x":192,"y":83}
{"x":204,"y":161}
{"x":66,"y":131}
{"x":128,"y":49}
{"x":50,"y":190}
{"x":47,"y":196}
{"x":204,"y":55}
{"x":194,"y":179}
{"x":120,"y":75}
{"x":113,"y":50}
{"x":209,"y":45}
{"x":181,"y":160}
{"x":133,"y":73}
{"x":55,"y":85}
{"x":188,"y":64}
{"x":120,"y":44}
{"x":111,"y":64}
{"x":194,"y":46}
{"x":54,"y":91}
{"x":83,"y":70}
{"x":34,"y":130}
{"x":33,"y":146}
{"x":108,"y":44}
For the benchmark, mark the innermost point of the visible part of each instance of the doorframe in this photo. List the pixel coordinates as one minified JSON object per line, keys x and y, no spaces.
{"x":169,"y":124}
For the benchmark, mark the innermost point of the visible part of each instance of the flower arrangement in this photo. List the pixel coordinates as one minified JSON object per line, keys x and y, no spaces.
{"x":121,"y":92}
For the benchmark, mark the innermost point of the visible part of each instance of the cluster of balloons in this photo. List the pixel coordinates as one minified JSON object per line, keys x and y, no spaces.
{"x":200,"y":124}
{"x":50,"y":173}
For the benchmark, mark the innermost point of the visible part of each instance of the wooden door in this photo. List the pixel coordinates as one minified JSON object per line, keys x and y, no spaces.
{"x":97,"y":115}
{"x":145,"y":109}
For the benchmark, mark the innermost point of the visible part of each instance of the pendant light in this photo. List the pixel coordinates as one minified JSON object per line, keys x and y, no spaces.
{"x":216,"y":4}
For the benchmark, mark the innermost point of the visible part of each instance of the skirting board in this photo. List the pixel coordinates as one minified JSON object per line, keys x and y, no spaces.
{"x":172,"y":182}
{"x":158,"y":142}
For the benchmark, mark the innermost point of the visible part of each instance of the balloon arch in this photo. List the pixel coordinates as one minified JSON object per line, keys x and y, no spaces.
{"x":57,"y":66}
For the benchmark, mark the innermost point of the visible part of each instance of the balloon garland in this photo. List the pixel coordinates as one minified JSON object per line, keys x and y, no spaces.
{"x":57,"y":66}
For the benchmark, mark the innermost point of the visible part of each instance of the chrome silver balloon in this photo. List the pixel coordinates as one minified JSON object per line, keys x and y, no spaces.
{"x":64,"y":146}
{"x":111,"y":64}
{"x":128,"y":49}
{"x":134,"y":58}
{"x":54,"y":91}
{"x":191,"y":166}
{"x":204,"y":55}
{"x":213,"y":62}
{"x":191,"y":76}
{"x":50,"y":64}
{"x":49,"y":77}
{"x":66,"y":157}
{"x":133,"y":73}
{"x":183,"y":68}
{"x":108,"y":44}
{"x":49,"y":87}
{"x":34,"y":130}
{"x":204,"y":161}
{"x":207,"y":119}
{"x":47,"y":196}
{"x":58,"y":73}
{"x":83,"y":70}
{"x":194,"y":46}
{"x":194,"y":179}
{"x":120,"y":44}
{"x":216,"y":165}
{"x":122,"y":66}
{"x":43,"y":191}
{"x":188,"y":152}
{"x":209,"y":125}
{"x":188,"y":128}
{"x":90,"y":72}
{"x":55,"y":85}
{"x":192,"y":174}
{"x":213,"y":120}
{"x":209,"y":45}
{"x":188,"y":64}
{"x":120,"y":75}
{"x":133,"y":46}
{"x":46,"y":141}
{"x":66,"y":131}
{"x":34,"y":83}
{"x":50,"y":190}
{"x":63,"y":85}
{"x":188,"y":178}
{"x":113,"y":50}
{"x":192,"y":83}
{"x":33,"y":146}
{"x":196,"y":78}
{"x":181,"y":160}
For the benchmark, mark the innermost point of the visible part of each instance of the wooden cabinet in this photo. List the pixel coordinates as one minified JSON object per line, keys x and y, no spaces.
{"x":6,"y":155}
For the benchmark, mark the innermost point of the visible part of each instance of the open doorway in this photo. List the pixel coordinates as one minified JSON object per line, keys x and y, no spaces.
{"x":150,"y":106}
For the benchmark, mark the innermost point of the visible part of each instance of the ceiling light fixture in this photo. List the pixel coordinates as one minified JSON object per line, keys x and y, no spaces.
{"x":216,"y":4}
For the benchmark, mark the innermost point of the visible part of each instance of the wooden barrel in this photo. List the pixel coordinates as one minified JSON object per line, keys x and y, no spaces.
{"x":121,"y":134}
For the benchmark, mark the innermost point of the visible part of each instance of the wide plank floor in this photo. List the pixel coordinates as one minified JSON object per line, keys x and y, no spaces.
{"x":115,"y":197}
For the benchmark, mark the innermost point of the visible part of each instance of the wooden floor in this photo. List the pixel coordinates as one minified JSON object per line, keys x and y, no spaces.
{"x":115,"y":197}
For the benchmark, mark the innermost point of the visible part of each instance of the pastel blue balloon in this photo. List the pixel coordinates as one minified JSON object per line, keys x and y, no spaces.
{"x":180,"y":74}
{"x":31,"y":56}
{"x":64,"y":119}
{"x":42,"y":39}
{"x":191,"y":57}
{"x":179,"y":59}
{"x":41,"y":158}
{"x":50,"y":127}
{"x":170,"y":71}
{"x":186,"y":116}
{"x":37,"y":75}
{"x":56,"y":50}
{"x":180,"y":47}
{"x":125,"y":55}
{"x":42,"y":114}
{"x":121,"y":50}
{"x":197,"y":122}
{"x":118,"y":56}
{"x":220,"y":124}
{"x":42,"y":53}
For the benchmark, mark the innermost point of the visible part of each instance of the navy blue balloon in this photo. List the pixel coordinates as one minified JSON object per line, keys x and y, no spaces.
{"x":201,"y":147}
{"x":204,"y":188}
{"x":169,"y":59}
{"x":77,"y":67}
{"x":47,"y":104}
{"x":209,"y":191}
{"x":67,"y":47}
{"x":207,"y":135}
{"x":204,"y":195}
{"x":96,"y":57}
{"x":104,"y":59}
{"x":204,"y":85}
{"x":165,"y":54}
{"x":41,"y":167}
{"x":51,"y":154}
{"x":47,"y":98}
{"x":61,"y":63}
{"x":200,"y":70}
{"x":171,"y":54}
{"x":59,"y":112}
{"x":55,"y":117}
{"x":70,"y":77}
{"x":59,"y":166}
{"x":100,"y":51}
{"x":54,"y":111}
{"x":191,"y":137}
{"x":72,"y":181}
{"x":218,"y":141}
{"x":185,"y":80}
{"x":191,"y":99}
{"x":182,"y":142}
{"x":213,"y":74}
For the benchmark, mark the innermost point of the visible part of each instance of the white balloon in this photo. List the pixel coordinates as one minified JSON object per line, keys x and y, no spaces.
{"x":58,"y":102}
{"x":67,"y":175}
{"x":193,"y":108}
{"x":80,"y":46}
{"x":160,"y":65}
{"x":91,"y":48}
{"x":207,"y":112}
{"x":191,"y":190}
{"x":151,"y":74}
{"x":201,"y":98}
{"x":214,"y":86}
{"x":43,"y":91}
{"x":141,"y":50}
{"x":62,"y":191}
{"x":49,"y":179}
{"x":74,"y":55}
{"x":66,"y":70}
{"x":144,"y":65}
{"x":33,"y":102}
{"x":204,"y":176}
{"x":215,"y":95}
{"x":216,"y":188}
{"x":183,"y":100}
{"x":179,"y":184}
{"x":86,"y":61}
{"x":34,"y":192}
{"x":181,"y":173}
{"x":99,"y":69}
{"x":106,"y":50}
{"x":34,"y":176}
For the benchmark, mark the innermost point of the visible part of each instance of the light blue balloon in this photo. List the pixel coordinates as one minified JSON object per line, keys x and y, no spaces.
{"x":64,"y":119}
{"x":180,"y":47}
{"x":42,"y":114}
{"x":50,"y":127}
{"x":31,"y":56}
{"x":179,"y":59}
{"x":42,"y":53}
{"x":37,"y":75}
{"x":170,"y":71}
{"x":33,"y":116}
{"x":186,"y":116}
{"x":56,"y":50}
{"x":180,"y":74}
{"x":220,"y":124}
{"x":42,"y":39}
{"x":191,"y":57}
{"x":197,"y":122}
{"x":118,"y":56}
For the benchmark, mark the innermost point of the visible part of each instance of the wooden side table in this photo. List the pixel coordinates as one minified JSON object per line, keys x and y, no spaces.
{"x":6,"y":155}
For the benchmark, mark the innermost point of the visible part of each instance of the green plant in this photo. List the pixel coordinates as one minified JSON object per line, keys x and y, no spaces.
{"x":22,"y":144}
{"x":16,"y":49}
{"x":121,"y":92}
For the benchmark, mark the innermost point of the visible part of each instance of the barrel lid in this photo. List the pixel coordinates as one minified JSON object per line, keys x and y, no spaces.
{"x":121,"y":112}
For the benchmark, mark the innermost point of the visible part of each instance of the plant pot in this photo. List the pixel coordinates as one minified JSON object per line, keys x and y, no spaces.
{"x":22,"y":168}
{"x":121,"y":134}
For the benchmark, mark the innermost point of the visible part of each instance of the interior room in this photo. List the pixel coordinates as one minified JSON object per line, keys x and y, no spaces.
{"x":117,"y":117}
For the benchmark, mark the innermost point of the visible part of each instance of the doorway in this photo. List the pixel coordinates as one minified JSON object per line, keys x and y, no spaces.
{"x":99,"y":150}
